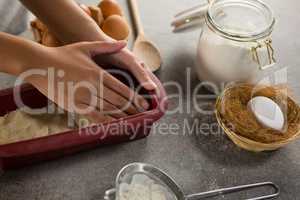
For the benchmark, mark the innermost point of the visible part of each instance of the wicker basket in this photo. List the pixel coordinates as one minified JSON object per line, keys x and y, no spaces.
{"x":247,"y":143}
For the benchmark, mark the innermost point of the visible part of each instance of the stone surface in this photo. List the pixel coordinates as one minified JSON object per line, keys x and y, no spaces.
{"x":200,"y":161}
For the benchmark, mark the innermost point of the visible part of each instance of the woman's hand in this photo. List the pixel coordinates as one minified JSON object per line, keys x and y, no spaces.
{"x":63,"y":17}
{"x":126,"y":60}
{"x":68,"y":76}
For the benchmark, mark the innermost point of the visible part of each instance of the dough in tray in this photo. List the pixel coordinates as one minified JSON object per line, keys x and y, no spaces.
{"x":18,"y":126}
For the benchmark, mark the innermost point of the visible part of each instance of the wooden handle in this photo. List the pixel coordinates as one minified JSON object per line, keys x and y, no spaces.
{"x":136,"y":16}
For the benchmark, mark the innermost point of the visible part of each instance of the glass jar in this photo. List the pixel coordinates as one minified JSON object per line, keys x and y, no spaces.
{"x":235,"y":43}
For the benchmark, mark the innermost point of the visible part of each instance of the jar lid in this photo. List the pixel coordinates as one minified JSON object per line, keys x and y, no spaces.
{"x":241,"y":19}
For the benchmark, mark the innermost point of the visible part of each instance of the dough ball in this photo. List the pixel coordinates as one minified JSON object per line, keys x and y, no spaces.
{"x":116,"y":27}
{"x":110,"y":7}
{"x":96,"y":14}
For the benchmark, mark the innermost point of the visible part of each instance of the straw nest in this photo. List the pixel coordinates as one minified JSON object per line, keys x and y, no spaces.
{"x":241,"y":125}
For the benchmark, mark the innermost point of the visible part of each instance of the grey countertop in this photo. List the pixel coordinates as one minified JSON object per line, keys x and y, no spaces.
{"x":199,"y":162}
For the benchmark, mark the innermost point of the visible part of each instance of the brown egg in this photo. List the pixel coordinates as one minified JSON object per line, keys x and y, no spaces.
{"x":96,"y":14}
{"x":38,"y":29}
{"x":39,"y":25}
{"x":116,"y":27}
{"x":85,"y":9}
{"x":37,"y":35}
{"x":50,"y":40}
{"x":110,"y":7}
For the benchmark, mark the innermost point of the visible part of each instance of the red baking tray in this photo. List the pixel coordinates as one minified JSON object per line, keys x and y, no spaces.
{"x":23,"y":153}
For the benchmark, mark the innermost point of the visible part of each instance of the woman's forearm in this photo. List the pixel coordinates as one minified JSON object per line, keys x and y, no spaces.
{"x":66,"y":20}
{"x":17,"y":55}
{"x":71,"y":24}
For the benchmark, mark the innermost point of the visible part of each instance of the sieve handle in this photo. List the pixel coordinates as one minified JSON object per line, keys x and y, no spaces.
{"x":110,"y":194}
{"x":223,"y":191}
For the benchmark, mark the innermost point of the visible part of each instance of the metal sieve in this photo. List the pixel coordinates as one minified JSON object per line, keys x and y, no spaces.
{"x":126,"y":174}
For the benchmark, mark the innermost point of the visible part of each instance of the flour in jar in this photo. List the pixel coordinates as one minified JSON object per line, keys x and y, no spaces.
{"x":142,"y":187}
{"x":224,"y":60}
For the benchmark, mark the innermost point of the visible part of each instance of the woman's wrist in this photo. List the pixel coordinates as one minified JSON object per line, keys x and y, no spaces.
{"x":36,"y":57}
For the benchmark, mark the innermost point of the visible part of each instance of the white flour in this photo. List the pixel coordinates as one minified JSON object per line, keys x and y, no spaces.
{"x":224,"y":60}
{"x":222,"y":54}
{"x":144,"y":188}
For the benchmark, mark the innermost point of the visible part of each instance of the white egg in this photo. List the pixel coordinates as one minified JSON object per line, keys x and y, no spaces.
{"x":267,"y":112}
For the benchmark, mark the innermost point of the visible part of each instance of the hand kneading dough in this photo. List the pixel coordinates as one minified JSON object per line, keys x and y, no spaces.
{"x":18,"y":126}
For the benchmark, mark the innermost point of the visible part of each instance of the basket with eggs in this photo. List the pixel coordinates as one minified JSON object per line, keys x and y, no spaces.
{"x":108,"y":15}
{"x":259,"y":118}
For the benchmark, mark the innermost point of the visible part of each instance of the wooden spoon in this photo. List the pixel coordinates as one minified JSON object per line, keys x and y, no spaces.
{"x":143,"y":48}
